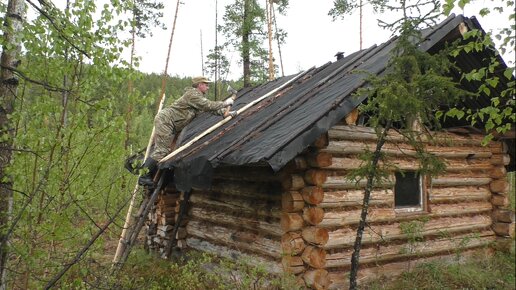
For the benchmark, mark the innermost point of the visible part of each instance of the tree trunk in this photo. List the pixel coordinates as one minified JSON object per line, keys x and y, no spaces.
{"x":365,"y":206}
{"x":12,"y":29}
{"x":246,"y":54}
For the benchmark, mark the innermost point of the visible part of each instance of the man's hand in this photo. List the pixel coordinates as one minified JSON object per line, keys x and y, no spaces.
{"x":231,"y":113}
{"x":228,"y":102}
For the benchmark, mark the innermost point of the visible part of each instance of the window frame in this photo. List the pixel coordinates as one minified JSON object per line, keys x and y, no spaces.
{"x":422,"y":207}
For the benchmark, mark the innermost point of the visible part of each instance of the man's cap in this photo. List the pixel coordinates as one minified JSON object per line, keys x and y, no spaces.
{"x":201,"y":79}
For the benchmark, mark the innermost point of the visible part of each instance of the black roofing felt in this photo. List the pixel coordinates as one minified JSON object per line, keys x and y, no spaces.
{"x":281,"y":126}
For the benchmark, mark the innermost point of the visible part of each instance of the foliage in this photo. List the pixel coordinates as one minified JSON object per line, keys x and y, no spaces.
{"x":244,"y":23}
{"x":479,"y":272}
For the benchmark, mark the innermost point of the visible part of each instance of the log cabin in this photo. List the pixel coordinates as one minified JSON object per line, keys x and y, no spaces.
{"x":270,"y":186}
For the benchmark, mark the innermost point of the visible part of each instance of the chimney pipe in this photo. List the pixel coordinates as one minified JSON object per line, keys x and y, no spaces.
{"x":339,"y":55}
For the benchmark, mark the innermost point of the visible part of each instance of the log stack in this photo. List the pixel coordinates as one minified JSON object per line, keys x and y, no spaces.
{"x":303,"y":239}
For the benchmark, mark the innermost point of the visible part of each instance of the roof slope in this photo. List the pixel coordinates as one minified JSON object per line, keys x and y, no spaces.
{"x":281,"y":126}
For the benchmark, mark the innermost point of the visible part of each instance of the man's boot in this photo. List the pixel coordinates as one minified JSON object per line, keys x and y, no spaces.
{"x":148,"y":178}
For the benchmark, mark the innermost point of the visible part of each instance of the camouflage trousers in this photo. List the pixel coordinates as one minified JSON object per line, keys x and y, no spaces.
{"x":164,"y":134}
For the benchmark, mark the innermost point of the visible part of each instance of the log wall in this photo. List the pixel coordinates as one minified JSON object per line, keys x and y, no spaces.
{"x":303,"y":219}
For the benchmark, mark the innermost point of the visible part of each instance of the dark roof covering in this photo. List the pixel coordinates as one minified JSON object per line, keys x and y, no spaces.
{"x":281,"y":126}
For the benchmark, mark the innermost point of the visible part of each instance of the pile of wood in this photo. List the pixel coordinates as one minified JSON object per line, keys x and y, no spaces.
{"x":161,"y":220}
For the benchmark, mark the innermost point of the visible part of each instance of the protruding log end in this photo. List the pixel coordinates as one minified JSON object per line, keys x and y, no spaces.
{"x":292,"y":201}
{"x":314,"y":256}
{"x":292,"y":243}
{"x":317,"y":279}
{"x":313,"y":194}
{"x":314,"y":235}
{"x":293,"y":264}
{"x":313,"y":215}
{"x":291,"y":222}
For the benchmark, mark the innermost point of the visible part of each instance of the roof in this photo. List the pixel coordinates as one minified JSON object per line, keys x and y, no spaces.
{"x":281,"y":126}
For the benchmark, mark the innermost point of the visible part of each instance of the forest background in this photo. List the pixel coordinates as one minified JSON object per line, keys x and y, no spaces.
{"x":79,"y":110}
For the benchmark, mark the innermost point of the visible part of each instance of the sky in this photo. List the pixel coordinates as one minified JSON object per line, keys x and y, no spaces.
{"x":313,"y":38}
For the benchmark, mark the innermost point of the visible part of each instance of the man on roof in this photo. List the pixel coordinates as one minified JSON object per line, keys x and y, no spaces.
{"x":170,"y":121}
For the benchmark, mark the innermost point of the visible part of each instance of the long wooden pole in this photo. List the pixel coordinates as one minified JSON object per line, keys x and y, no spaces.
{"x":129,"y":216}
{"x":225,"y":120}
{"x":165,"y":72}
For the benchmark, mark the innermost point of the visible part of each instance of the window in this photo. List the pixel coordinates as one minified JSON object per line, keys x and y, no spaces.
{"x":408,"y":191}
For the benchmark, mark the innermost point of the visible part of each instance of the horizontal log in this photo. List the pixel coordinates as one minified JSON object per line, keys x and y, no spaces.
{"x":317,"y":279}
{"x":293,"y":182}
{"x":269,"y":226}
{"x":259,"y":207}
{"x":292,"y":244}
{"x":314,"y":256}
{"x":342,"y":182}
{"x":355,"y":197}
{"x":315,"y":177}
{"x":246,"y":173}
{"x":291,"y":222}
{"x":342,"y":218}
{"x":315,"y":235}
{"x":319,"y":159}
{"x":345,"y":237}
{"x":452,"y":165}
{"x":460,"y":181}
{"x":270,"y":265}
{"x":504,"y":229}
{"x":261,"y":190}
{"x":390,"y":252}
{"x":503,"y":215}
{"x":459,"y":208}
{"x":313,"y":215}
{"x":293,"y":264}
{"x":312,"y":194}
{"x":292,"y":201}
{"x":340,"y":278}
{"x":405,"y":150}
{"x":234,"y":238}
{"x":341,"y":132}
{"x":500,"y":186}
{"x":453,"y":194}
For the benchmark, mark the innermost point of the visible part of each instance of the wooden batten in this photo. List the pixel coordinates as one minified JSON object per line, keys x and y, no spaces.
{"x":293,"y":264}
{"x":345,"y":237}
{"x":293,"y":182}
{"x":314,"y":256}
{"x":499,"y":186}
{"x":315,"y":177}
{"x":317,"y":279}
{"x":504,"y":229}
{"x":292,"y":201}
{"x":319,"y":159}
{"x":313,"y":215}
{"x":315,"y":235}
{"x":355,"y":197}
{"x":292,"y":243}
{"x":313,"y":195}
{"x":503,"y":215}
{"x":269,"y":226}
{"x":392,"y":252}
{"x":291,"y":222}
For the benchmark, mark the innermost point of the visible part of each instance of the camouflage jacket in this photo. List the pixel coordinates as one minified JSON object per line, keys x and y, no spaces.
{"x":193,"y":102}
